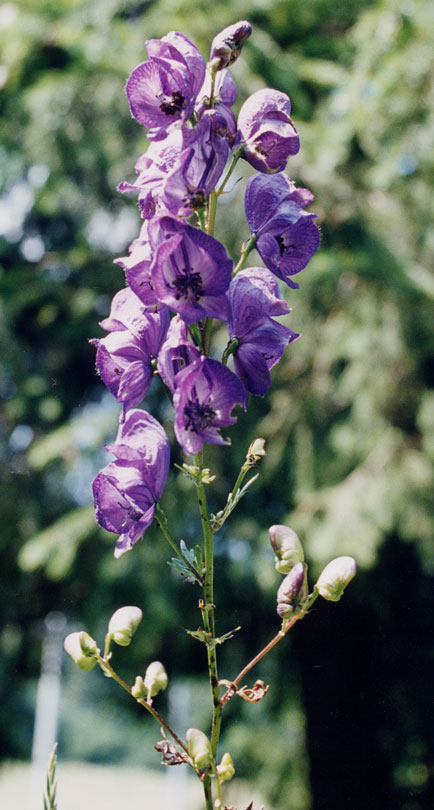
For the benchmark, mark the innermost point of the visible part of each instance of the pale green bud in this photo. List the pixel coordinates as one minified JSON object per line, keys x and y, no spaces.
{"x":292,"y":592}
{"x":286,"y":546}
{"x":226,"y":768}
{"x":155,"y":678}
{"x":335,"y":578}
{"x":73,"y":646}
{"x":139,"y":691}
{"x":88,"y":644}
{"x":256,"y":450}
{"x":124,"y":623}
{"x":199,"y":748}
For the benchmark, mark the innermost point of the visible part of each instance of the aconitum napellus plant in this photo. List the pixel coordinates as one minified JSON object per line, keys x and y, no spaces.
{"x":180,"y":283}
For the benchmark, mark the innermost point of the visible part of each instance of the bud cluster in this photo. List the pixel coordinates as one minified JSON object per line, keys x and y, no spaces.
{"x":292,"y":594}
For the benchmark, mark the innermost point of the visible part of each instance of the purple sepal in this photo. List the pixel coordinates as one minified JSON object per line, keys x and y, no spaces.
{"x":253,"y":298}
{"x":266,"y":131}
{"x":176,"y":353}
{"x":124,"y":357}
{"x":287,"y":236}
{"x":205,"y":394}
{"x":226,"y":46}
{"x":191,"y":270}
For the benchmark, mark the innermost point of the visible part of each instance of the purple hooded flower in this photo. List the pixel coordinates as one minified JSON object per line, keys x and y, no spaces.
{"x":124,"y":357}
{"x":205,"y":394}
{"x":226,"y":46}
{"x":266,"y":131}
{"x":126,"y":490}
{"x":287,"y":236}
{"x":254,"y":296}
{"x":152,"y":169}
{"x":163,"y":90}
{"x":205,"y":151}
{"x":176,"y":353}
{"x":191,"y":270}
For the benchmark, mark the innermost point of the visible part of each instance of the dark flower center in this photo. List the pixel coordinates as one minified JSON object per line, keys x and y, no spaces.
{"x":133,"y":514}
{"x":283,"y":247}
{"x":198,"y":415}
{"x":196,"y":199}
{"x":173,"y":104}
{"x":188,"y":281}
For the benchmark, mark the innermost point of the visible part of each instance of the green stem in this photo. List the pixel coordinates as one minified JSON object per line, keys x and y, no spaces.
{"x":235,"y":159}
{"x":245,"y":250}
{"x":230,"y":349}
{"x":286,"y":626}
{"x":212,"y":209}
{"x":108,"y":670}
{"x":163,"y":524}
{"x":207,"y":790}
{"x":208,"y":608}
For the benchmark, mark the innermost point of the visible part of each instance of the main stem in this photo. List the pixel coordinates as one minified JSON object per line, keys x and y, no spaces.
{"x":207,"y":610}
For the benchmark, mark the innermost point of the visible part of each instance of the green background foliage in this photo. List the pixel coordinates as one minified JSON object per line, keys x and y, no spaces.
{"x":349,"y":422}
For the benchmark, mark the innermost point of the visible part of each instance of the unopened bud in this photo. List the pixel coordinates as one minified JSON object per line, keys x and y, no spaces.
{"x":287,"y":548}
{"x":199,"y":748}
{"x":75,"y":645}
{"x":226,"y":46}
{"x":335,"y":578}
{"x":292,"y":592}
{"x":256,"y":451}
{"x":139,"y":691}
{"x":155,"y":678}
{"x":124,"y":623}
{"x":226,"y":768}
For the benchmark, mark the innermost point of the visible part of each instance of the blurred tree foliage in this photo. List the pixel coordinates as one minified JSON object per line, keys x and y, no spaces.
{"x":349,"y":423}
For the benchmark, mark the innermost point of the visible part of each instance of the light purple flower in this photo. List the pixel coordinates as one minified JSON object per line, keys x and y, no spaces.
{"x":287,"y":236}
{"x":152,"y":169}
{"x":126,"y":490}
{"x":205,"y":395}
{"x":124,"y":357}
{"x":200,"y":166}
{"x":266,"y":131}
{"x":176,"y":353}
{"x":253,"y":297}
{"x":191,"y":270}
{"x":163,"y":90}
{"x":226,"y":46}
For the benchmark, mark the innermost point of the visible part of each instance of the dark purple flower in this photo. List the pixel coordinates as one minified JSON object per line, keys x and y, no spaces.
{"x":163,"y":90}
{"x":124,"y":357}
{"x":266,"y":131}
{"x":126,"y":490}
{"x":200,"y":166}
{"x":226,"y":46}
{"x":191,"y":270}
{"x":287,"y":236}
{"x":176,"y":353}
{"x":205,"y":394}
{"x":253,"y":297}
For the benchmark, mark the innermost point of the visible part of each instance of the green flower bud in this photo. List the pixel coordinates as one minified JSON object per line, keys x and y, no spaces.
{"x":124,"y":623}
{"x":139,"y":691}
{"x":88,"y":644}
{"x":199,"y":748}
{"x":155,"y":678}
{"x":287,"y":548}
{"x":256,"y":451}
{"x":292,"y":592}
{"x":73,"y":646}
{"x":226,"y":768}
{"x":335,"y":578}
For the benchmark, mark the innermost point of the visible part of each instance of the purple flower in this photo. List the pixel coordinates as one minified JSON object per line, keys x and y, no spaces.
{"x":126,"y":490}
{"x":194,"y":176}
{"x":266,"y":131}
{"x":287,"y":236}
{"x":191,"y":270}
{"x":124,"y":357}
{"x":226,"y":46}
{"x":176,"y":353}
{"x":253,"y":296}
{"x":152,"y":169}
{"x":163,"y":90}
{"x":206,"y":392}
